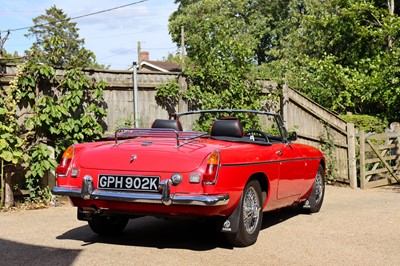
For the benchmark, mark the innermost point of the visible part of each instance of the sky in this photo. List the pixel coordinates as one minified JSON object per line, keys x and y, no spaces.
{"x":113,"y":36}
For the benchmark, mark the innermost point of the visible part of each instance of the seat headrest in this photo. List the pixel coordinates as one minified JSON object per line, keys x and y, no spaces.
{"x":165,"y":123}
{"x":227,"y":128}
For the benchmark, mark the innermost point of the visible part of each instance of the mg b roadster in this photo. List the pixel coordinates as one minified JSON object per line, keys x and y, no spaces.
{"x":234,"y":166}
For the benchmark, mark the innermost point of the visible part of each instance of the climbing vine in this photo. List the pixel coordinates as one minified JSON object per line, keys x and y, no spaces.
{"x":327,"y":146}
{"x":167,"y":95}
{"x":11,"y":144}
{"x":59,"y":108}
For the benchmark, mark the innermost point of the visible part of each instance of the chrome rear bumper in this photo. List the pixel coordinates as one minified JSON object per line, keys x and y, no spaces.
{"x":88,"y":192}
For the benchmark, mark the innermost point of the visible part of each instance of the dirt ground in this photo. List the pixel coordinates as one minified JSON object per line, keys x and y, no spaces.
{"x":354,"y":227}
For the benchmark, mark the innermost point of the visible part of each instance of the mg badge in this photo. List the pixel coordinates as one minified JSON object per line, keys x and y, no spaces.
{"x":133,"y":157}
{"x":227,"y":226}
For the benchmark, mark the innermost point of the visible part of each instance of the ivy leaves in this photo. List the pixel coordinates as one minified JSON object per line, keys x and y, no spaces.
{"x":45,"y":109}
{"x":59,"y":108}
{"x":11,"y":145}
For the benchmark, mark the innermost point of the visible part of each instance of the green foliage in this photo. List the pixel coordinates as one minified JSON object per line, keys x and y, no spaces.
{"x":174,"y":58}
{"x":58,"y":107}
{"x":167,"y":96}
{"x":264,"y":22}
{"x":69,"y":112}
{"x":366,"y":122}
{"x":327,"y":146}
{"x":221,"y":47}
{"x":11,"y":150}
{"x":342,"y":54}
{"x":64,"y":108}
{"x":39,"y":163}
{"x":11,"y":145}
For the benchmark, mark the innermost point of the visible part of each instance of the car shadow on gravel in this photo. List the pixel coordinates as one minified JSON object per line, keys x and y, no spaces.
{"x":278,"y":216}
{"x":161,"y":233}
{"x":15,"y":253}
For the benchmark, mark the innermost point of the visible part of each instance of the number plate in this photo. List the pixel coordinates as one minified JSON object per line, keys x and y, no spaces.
{"x":128,"y":182}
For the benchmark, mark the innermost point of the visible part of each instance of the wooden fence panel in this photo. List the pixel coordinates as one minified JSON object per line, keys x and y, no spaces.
{"x":309,"y":119}
{"x":313,"y":124}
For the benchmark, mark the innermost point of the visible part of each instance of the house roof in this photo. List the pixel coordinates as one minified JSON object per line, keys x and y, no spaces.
{"x":149,"y":65}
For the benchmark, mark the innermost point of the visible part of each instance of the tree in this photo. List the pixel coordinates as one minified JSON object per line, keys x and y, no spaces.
{"x":265,"y":19}
{"x":57,"y":37}
{"x":221,"y":47}
{"x":342,"y":54}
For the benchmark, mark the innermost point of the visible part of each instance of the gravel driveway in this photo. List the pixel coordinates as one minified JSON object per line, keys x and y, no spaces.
{"x":354,"y":227}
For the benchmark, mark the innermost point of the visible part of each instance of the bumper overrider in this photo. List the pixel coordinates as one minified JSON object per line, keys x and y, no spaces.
{"x":88,"y":192}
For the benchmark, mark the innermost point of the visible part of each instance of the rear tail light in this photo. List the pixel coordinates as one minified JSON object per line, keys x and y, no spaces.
{"x":65,"y":162}
{"x":210,"y":175}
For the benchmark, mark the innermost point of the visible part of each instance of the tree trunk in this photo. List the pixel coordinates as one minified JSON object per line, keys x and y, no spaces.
{"x":8,"y":192}
{"x":391,"y":12}
{"x":391,"y":7}
{"x":2,"y":183}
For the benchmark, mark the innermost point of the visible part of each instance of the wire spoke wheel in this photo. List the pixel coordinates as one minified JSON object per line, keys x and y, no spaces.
{"x":319,"y":188}
{"x":251,"y":210}
{"x":250,"y":218}
{"x":314,"y":201}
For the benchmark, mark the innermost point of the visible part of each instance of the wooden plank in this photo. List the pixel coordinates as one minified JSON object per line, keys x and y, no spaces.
{"x":381,"y":182}
{"x":375,"y":160}
{"x":317,"y":115}
{"x":309,"y":137}
{"x":376,"y":171}
{"x":351,"y":151}
{"x":382,"y":136}
{"x":383,"y":161}
{"x":386,"y":146}
{"x":317,"y":110}
{"x":362,"y":161}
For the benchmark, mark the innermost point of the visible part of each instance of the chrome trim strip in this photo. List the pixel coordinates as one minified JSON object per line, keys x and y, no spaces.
{"x":134,"y":197}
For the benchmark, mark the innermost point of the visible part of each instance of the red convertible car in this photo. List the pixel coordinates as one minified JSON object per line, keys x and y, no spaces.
{"x":243,"y":165}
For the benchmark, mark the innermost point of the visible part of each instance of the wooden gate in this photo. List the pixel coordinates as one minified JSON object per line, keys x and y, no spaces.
{"x":379,"y":159}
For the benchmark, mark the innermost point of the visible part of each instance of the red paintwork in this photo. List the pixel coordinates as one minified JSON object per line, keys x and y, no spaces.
{"x":288,"y":171}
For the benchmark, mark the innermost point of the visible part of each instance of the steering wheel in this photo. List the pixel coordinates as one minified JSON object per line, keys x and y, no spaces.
{"x":257,"y":132}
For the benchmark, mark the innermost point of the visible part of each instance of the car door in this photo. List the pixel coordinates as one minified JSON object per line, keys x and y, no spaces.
{"x":292,"y":167}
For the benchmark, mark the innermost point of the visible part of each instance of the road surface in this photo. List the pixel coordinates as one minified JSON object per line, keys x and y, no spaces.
{"x":354,"y":227}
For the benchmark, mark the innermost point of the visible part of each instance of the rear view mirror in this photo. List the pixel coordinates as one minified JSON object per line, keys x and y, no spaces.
{"x":292,"y":136}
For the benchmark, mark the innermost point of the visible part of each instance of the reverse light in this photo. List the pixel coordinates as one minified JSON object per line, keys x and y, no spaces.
{"x":65,"y":162}
{"x":210,"y":175}
{"x":194,"y":178}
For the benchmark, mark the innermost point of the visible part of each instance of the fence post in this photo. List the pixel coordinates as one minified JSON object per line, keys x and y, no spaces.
{"x":351,"y":153}
{"x":397,"y":148}
{"x":285,"y":103}
{"x":182,"y":106}
{"x":363,"y":184}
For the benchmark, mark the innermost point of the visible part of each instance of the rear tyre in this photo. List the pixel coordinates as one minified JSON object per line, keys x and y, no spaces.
{"x":314,"y":202}
{"x":108,"y":225}
{"x":250,"y":218}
